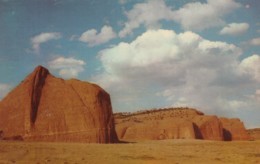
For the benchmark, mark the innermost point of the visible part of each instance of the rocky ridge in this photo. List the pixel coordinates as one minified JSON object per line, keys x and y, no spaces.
{"x":177,"y":123}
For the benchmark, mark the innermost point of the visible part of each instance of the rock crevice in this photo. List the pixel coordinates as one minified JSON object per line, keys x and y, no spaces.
{"x":38,"y":81}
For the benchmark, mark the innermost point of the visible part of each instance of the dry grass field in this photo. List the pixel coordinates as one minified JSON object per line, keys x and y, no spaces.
{"x":148,"y":152}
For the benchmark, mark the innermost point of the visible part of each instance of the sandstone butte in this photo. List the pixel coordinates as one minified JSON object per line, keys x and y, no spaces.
{"x":177,"y":123}
{"x":45,"y":108}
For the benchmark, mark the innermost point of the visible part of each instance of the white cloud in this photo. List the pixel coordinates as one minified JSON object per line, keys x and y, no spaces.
{"x":162,"y":55}
{"x":235,"y":29}
{"x":4,"y":89}
{"x":192,"y":16}
{"x":68,"y":67}
{"x":199,"y":16}
{"x":93,"y":38}
{"x":251,"y":65}
{"x":255,"y":42}
{"x":37,"y":40}
{"x":146,"y":14}
{"x":161,"y":68}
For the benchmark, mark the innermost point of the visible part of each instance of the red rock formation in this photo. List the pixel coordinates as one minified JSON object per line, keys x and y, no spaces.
{"x":234,"y":129}
{"x":162,"y":124}
{"x":47,"y":108}
{"x":254,"y":133}
{"x":208,"y":127}
{"x":176,"y":124}
{"x":156,"y":130}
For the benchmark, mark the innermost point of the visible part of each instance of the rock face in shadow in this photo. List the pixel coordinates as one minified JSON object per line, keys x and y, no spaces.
{"x":177,"y":123}
{"x":46,"y":108}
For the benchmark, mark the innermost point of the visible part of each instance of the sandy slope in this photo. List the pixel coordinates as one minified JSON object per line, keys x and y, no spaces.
{"x":148,"y":152}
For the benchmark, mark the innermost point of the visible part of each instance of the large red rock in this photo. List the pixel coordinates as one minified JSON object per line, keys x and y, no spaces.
{"x":46,"y":108}
{"x":208,"y":127}
{"x":176,"y":123}
{"x":234,"y":129}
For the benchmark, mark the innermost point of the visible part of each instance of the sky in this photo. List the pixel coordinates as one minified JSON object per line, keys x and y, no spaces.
{"x":146,"y":54}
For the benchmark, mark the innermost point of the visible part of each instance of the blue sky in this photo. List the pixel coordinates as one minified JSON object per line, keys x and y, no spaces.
{"x":146,"y":54}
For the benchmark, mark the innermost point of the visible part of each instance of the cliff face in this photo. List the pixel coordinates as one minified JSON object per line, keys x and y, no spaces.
{"x":207,"y":127}
{"x":47,"y":108}
{"x":234,"y":129}
{"x":156,"y":130}
{"x":176,"y":124}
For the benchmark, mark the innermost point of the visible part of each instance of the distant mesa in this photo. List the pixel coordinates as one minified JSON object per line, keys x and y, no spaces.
{"x":177,"y":123}
{"x":45,"y":108}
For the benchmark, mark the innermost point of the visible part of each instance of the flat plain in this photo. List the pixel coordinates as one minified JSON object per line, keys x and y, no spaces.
{"x":145,"y":152}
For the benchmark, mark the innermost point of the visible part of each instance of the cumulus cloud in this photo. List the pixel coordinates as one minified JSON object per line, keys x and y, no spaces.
{"x":251,"y":65}
{"x":194,"y":16}
{"x":235,"y":29}
{"x":162,"y":68}
{"x":67,"y":67}
{"x":199,"y":16}
{"x":37,"y":40}
{"x":146,"y":14}
{"x":92,"y":38}
{"x":4,"y":89}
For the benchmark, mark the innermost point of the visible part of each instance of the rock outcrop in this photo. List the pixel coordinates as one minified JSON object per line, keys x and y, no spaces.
{"x":254,"y":133}
{"x":207,"y":127}
{"x":234,"y":129}
{"x":177,"y":123}
{"x":46,"y":108}
{"x":156,"y":130}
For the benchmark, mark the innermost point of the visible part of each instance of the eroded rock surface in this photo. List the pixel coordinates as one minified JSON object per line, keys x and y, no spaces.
{"x":46,"y":108}
{"x":177,"y":123}
{"x":234,"y":129}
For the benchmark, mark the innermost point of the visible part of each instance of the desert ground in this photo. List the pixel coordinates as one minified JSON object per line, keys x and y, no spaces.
{"x":145,"y":152}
